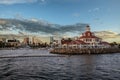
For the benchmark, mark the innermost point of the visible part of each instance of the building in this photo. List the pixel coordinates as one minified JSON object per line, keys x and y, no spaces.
{"x":13,"y":43}
{"x":26,"y":40}
{"x":2,"y":39}
{"x":86,"y":40}
{"x":89,"y":37}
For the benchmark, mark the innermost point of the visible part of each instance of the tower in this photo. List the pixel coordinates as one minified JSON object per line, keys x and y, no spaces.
{"x":87,"y":28}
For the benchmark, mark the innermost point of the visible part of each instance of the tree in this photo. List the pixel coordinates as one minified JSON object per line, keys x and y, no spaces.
{"x":69,"y":39}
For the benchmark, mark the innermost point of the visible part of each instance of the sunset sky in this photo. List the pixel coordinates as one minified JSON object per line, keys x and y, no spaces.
{"x":100,"y":14}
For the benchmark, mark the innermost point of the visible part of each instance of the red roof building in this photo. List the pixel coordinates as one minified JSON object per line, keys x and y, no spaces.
{"x":87,"y":39}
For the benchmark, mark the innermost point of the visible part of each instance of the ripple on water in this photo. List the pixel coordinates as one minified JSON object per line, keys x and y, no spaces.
{"x":80,"y":67}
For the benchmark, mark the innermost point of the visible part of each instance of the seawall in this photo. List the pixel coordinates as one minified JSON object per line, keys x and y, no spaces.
{"x":77,"y":51}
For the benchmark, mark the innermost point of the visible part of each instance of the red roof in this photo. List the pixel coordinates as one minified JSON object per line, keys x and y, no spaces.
{"x":88,"y":34}
{"x":80,"y":42}
{"x":88,"y":37}
{"x":73,"y":42}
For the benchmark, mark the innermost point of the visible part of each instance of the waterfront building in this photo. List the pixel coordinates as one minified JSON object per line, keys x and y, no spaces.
{"x":2,"y":39}
{"x":89,"y":37}
{"x":14,"y":43}
{"x":86,"y":40}
{"x":42,"y":39}
{"x":26,"y":40}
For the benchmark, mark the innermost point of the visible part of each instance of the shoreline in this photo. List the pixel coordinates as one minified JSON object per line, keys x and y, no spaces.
{"x":72,"y":51}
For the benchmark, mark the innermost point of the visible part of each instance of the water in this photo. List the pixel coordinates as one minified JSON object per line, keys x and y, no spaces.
{"x":76,"y":67}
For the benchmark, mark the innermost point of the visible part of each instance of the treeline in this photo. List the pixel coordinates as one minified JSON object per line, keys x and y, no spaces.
{"x":115,"y":44}
{"x":2,"y":45}
{"x":7,"y":45}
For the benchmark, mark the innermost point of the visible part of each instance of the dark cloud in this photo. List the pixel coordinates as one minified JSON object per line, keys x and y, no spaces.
{"x":39,"y":26}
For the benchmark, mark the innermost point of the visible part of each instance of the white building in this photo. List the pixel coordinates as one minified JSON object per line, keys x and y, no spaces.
{"x":87,"y":40}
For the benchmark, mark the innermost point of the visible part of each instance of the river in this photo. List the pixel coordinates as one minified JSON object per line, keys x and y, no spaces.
{"x":52,"y":67}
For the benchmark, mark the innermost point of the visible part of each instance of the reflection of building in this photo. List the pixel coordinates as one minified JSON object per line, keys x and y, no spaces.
{"x":88,"y":39}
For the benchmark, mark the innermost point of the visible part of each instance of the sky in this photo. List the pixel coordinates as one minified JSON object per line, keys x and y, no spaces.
{"x":99,"y":14}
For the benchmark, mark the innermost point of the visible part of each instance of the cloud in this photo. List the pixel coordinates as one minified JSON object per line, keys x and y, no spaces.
{"x":97,"y":19}
{"x":108,"y":36}
{"x":10,"y":2}
{"x":76,"y":14}
{"x":94,"y":10}
{"x":42,"y":0}
{"x":18,"y":16}
{"x":41,"y":27}
{"x":37,"y":26}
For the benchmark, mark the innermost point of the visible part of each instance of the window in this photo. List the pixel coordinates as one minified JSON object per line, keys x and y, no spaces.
{"x":90,"y":39}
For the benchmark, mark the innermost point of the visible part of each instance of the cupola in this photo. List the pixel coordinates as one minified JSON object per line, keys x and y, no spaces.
{"x":87,"y":28}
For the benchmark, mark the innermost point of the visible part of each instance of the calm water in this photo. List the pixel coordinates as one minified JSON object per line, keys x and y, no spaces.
{"x":80,"y":67}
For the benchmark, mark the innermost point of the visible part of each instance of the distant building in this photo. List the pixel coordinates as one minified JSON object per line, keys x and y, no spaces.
{"x":14,"y":42}
{"x":33,"y":41}
{"x":38,"y":39}
{"x":26,"y":40}
{"x":88,"y":39}
{"x":2,"y":39}
{"x":51,"y":39}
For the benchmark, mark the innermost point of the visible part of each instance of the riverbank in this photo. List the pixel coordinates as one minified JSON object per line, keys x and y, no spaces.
{"x":79,"y":51}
